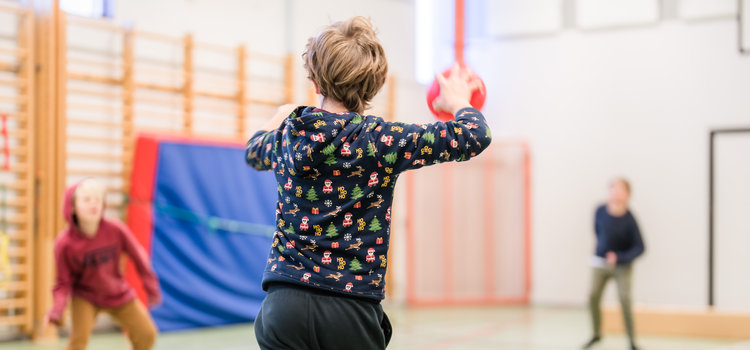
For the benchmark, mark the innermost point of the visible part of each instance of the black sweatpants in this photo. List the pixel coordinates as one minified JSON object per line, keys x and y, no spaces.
{"x":299,"y":318}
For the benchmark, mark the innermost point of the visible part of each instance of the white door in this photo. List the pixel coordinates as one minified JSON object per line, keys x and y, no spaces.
{"x":732,"y":221}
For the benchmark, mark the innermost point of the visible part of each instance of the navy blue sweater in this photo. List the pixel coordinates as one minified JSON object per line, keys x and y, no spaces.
{"x":617,"y":234}
{"x":336,"y":174}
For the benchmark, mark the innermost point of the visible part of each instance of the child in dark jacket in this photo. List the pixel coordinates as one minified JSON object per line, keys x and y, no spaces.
{"x":87,"y":255}
{"x":618,"y":245}
{"x":336,"y":170}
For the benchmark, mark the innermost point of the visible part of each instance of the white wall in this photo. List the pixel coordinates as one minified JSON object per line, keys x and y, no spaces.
{"x":259,"y":24}
{"x":276,"y":27}
{"x":637,"y":102}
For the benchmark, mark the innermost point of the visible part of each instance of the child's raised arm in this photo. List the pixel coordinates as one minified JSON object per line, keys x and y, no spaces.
{"x":411,"y":146}
{"x":260,"y":145}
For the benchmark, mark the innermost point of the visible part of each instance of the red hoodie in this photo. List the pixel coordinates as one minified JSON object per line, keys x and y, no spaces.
{"x":89,"y":267}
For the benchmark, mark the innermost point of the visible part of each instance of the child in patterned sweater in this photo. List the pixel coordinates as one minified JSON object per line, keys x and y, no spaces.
{"x":336,"y":170}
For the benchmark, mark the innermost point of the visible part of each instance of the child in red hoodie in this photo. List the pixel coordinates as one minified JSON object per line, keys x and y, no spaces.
{"x":87,"y":255}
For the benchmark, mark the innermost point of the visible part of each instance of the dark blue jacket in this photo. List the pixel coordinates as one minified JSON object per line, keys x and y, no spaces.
{"x":336,"y":174}
{"x":617,"y":234}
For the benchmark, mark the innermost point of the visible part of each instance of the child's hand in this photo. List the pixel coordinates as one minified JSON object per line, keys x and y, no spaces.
{"x":611,"y":259}
{"x":154,"y":300}
{"x":455,"y":90}
{"x":281,"y":114}
{"x":48,"y":322}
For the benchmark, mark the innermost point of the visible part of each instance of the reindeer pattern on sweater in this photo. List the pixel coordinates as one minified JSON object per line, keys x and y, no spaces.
{"x":336,"y":175}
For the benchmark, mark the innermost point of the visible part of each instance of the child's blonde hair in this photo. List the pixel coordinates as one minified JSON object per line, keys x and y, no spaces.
{"x":347,"y":63}
{"x":91,"y":184}
{"x":625,"y":183}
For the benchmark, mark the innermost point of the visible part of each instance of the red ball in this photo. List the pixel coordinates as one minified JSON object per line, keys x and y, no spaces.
{"x":477,"y":97}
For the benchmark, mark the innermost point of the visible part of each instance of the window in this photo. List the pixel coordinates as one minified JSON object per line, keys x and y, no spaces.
{"x":435,"y":34}
{"x":425,"y":45}
{"x":88,"y":8}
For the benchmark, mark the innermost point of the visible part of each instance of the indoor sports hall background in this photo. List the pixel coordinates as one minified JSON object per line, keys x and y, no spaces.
{"x":158,"y":98}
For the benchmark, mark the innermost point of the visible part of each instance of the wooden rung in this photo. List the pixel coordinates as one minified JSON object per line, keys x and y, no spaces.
{"x":255,"y":80}
{"x":158,"y":87}
{"x":214,"y":82}
{"x":17,"y":51}
{"x":95,"y":172}
{"x":16,"y":203}
{"x":94,"y":78}
{"x":116,"y":214}
{"x":16,"y":186}
{"x":99,"y":93}
{"x":110,"y":203}
{"x":215,"y":95}
{"x":225,"y":108}
{"x":155,"y":114}
{"x":12,"y":7}
{"x":97,"y":123}
{"x":159,"y":129}
{"x":90,"y":62}
{"x":19,"y":134}
{"x":263,"y":102}
{"x":141,"y":34}
{"x":113,"y":188}
{"x":13,"y":82}
{"x":95,"y":156}
{"x":14,"y":99}
{"x":176,"y":100}
{"x":18,"y":252}
{"x":266,"y":57}
{"x":94,"y":139}
{"x":104,"y":24}
{"x":117,"y":193}
{"x":17,"y":220}
{"x":20,"y":168}
{"x":20,"y":116}
{"x":15,"y":303}
{"x":215,"y":47}
{"x":156,"y":62}
{"x":93,"y":51}
{"x":15,"y":320}
{"x":215,"y":120}
{"x":19,"y":235}
{"x":19,"y":151}
{"x":19,"y":269}
{"x":8,"y":67}
{"x":216,"y":73}
{"x":169,"y":71}
{"x":23,"y":240}
{"x":93,"y":107}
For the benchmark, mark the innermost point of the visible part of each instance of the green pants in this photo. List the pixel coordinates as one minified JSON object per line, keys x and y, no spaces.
{"x":623,"y":276}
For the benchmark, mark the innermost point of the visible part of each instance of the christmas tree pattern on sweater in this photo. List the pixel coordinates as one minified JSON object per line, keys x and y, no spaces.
{"x":336,"y":175}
